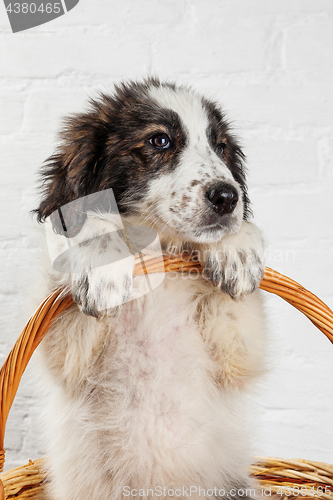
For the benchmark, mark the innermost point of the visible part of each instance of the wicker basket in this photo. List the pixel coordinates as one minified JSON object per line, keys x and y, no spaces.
{"x":287,"y":478}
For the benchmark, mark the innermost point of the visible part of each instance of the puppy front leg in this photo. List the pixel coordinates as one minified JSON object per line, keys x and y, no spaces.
{"x":100,"y":283}
{"x":236,"y":263}
{"x":97,"y":264}
{"x":234,"y":330}
{"x":106,"y":282}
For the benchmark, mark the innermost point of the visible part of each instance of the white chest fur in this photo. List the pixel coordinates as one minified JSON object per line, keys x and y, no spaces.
{"x":140,"y":395}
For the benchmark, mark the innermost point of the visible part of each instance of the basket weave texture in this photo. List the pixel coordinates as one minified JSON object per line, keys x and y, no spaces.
{"x":279,"y":476}
{"x":276,"y":475}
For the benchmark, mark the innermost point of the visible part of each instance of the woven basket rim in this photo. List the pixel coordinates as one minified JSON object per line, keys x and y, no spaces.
{"x":59,"y":300}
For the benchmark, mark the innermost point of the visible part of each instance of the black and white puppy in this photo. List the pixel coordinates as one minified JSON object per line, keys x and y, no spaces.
{"x":150,"y":394}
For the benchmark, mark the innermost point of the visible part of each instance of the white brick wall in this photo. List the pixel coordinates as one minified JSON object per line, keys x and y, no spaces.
{"x":271,"y":64}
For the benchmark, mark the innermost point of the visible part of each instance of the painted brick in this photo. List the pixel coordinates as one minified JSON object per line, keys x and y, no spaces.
{"x":309,"y":48}
{"x":49,"y":55}
{"x":206,"y":11}
{"x":23,"y":156}
{"x":46,"y":108}
{"x":12,"y":109}
{"x":282,"y":105}
{"x":205,"y":56}
{"x":127,"y":13}
{"x":289,"y":215}
{"x":279,"y":161}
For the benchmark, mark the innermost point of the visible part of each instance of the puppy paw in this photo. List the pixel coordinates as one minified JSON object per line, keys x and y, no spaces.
{"x":236,"y":263}
{"x":101,"y":291}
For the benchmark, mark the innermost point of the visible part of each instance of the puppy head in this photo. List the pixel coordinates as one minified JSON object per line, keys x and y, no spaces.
{"x":167,"y":154}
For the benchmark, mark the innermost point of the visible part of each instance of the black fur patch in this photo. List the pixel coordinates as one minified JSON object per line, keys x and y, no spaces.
{"x":219,"y":132}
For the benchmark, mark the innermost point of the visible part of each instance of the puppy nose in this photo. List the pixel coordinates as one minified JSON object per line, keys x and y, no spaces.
{"x":223,"y":197}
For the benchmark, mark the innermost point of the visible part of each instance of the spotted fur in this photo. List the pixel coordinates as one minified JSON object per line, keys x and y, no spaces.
{"x":152,"y":392}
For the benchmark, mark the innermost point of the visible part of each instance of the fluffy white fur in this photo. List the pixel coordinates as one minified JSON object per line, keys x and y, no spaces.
{"x":155,"y":393}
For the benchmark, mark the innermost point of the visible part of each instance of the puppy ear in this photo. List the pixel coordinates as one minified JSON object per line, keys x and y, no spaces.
{"x":69,"y":219}
{"x":72,"y":172}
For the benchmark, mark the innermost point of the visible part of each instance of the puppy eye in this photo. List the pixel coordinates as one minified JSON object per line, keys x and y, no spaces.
{"x":220,"y":148}
{"x":160,"y":141}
